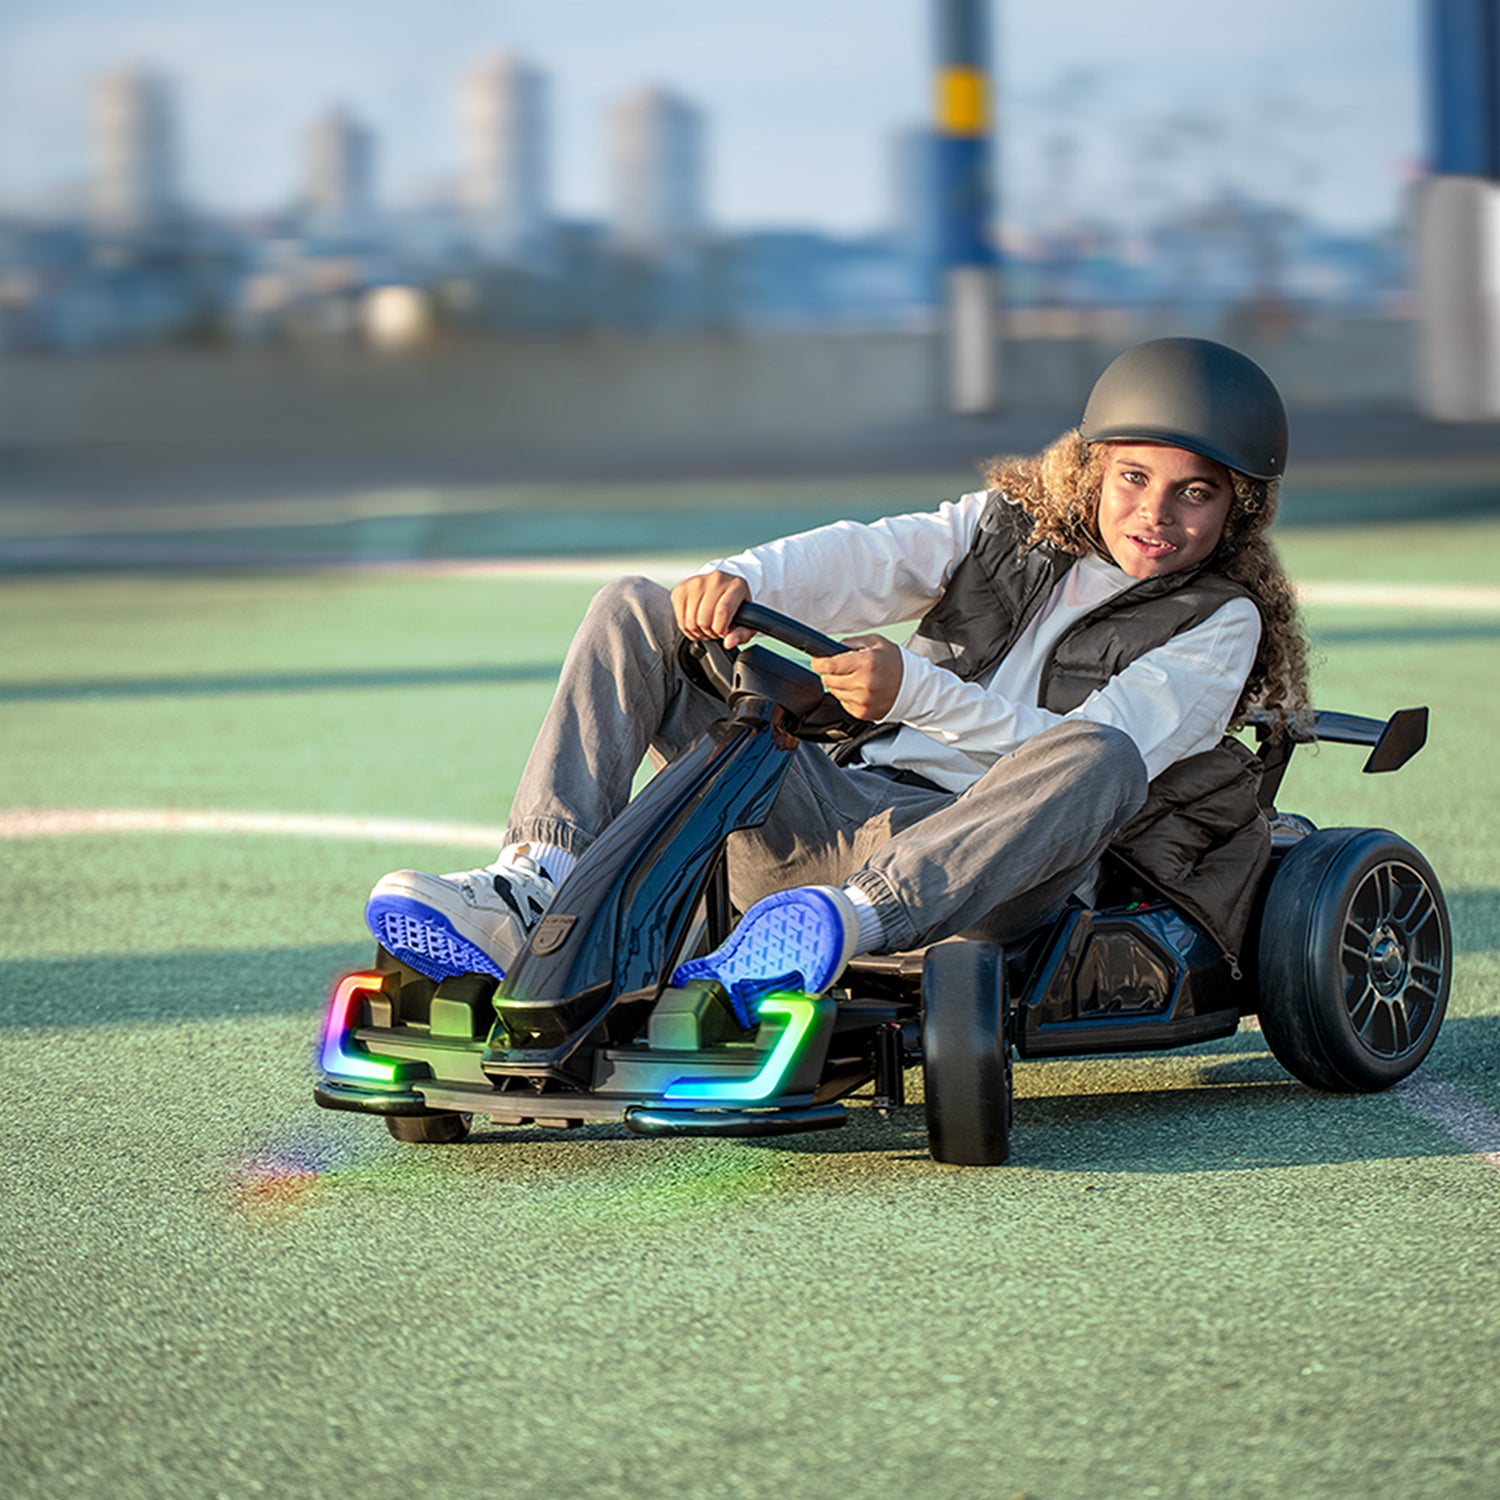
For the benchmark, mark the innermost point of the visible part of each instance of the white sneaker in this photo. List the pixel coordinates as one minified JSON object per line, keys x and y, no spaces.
{"x":473,"y":921}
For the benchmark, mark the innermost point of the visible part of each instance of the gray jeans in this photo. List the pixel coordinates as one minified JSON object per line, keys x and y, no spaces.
{"x":991,"y":861}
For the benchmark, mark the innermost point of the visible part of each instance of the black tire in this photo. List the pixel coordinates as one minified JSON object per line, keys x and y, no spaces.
{"x":966,"y":1054}
{"x":1356,"y":956}
{"x":429,"y":1130}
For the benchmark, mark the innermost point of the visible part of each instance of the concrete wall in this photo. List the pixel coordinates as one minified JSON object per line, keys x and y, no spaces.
{"x":525,"y":400}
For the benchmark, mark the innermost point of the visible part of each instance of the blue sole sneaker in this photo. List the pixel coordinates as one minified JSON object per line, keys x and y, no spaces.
{"x":423,"y":939}
{"x":790,"y":940}
{"x":470,"y":922}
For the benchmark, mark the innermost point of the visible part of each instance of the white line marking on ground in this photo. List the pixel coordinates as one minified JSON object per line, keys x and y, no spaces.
{"x":1463,"y":596}
{"x":1470,"y":598}
{"x":1461,"y":1115}
{"x":39,"y":823}
{"x":1458,"y":598}
{"x":665,"y":570}
{"x":1410,"y":596}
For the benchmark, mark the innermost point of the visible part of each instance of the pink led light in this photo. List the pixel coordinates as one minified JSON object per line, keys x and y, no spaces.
{"x":338,"y":1055}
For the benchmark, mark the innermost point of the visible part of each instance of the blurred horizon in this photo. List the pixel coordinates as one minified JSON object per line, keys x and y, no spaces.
{"x":225,"y":174}
{"x":529,"y":195}
{"x":1104,"y":110}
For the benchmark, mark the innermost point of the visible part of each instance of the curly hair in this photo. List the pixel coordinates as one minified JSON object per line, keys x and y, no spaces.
{"x":1060,"y":489}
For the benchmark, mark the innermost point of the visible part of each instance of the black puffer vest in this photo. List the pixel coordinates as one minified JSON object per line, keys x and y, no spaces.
{"x":1201,"y":838}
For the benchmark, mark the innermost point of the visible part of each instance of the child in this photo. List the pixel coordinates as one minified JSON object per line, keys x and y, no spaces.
{"x":1090,"y":625}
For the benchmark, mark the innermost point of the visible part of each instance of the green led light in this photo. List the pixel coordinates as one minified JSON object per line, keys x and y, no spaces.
{"x":800,"y":1012}
{"x":345,"y":1065}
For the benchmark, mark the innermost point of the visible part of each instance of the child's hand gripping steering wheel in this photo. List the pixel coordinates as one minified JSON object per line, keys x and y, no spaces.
{"x":816,"y":715}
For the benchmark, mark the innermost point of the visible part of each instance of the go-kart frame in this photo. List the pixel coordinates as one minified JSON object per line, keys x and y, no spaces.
{"x":1347,"y":966}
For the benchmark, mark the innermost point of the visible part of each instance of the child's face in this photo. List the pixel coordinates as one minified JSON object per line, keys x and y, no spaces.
{"x":1161,"y":509}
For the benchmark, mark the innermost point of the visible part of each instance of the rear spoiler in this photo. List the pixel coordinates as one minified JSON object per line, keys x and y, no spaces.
{"x":1392,"y":742}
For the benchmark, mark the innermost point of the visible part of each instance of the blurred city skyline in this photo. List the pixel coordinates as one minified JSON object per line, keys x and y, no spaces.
{"x":1107,"y":113}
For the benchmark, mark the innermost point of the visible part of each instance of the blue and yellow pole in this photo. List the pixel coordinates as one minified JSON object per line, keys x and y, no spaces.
{"x":1456,"y":214}
{"x":1463,"y":97}
{"x":962,"y":127}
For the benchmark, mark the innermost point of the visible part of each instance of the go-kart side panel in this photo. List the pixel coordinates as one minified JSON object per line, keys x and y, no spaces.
{"x":1125,"y":980}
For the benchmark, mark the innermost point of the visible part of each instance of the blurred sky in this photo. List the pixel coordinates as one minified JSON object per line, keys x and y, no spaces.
{"x":1117,"y":107}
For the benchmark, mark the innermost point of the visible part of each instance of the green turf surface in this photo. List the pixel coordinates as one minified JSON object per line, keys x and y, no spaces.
{"x":1196,"y":1277}
{"x":1415,"y":551}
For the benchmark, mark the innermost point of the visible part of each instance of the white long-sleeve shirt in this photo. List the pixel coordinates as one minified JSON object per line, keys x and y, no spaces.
{"x":1173,"y":702}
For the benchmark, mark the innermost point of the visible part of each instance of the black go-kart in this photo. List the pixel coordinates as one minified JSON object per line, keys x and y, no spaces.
{"x":1347,"y":966}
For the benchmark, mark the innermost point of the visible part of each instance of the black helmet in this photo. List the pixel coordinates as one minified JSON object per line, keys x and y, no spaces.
{"x":1193,"y":394}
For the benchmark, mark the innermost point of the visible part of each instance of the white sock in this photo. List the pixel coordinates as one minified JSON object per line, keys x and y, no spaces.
{"x":871,"y":929}
{"x":553,"y":859}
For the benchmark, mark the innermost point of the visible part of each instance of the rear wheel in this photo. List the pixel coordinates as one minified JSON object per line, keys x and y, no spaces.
{"x":429,"y":1130}
{"x":1355,"y":960}
{"x":966,"y":1054}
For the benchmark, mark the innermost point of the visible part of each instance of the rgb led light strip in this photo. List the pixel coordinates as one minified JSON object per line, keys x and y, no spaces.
{"x":337,"y":1056}
{"x":800,"y":1012}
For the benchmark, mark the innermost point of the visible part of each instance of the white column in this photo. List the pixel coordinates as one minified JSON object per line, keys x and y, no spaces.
{"x":971,"y":338}
{"x":1456,"y":222}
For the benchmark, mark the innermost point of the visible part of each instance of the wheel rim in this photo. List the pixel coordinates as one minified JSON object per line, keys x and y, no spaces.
{"x":1394,"y":957}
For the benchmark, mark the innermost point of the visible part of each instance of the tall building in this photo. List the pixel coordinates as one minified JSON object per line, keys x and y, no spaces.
{"x":340,"y":200}
{"x":135,"y":152}
{"x":657,"y":165}
{"x":504,"y":106}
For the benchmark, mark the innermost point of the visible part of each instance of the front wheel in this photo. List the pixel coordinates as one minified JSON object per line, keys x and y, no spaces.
{"x":429,"y":1130}
{"x":1356,"y":957}
{"x":966,"y":1054}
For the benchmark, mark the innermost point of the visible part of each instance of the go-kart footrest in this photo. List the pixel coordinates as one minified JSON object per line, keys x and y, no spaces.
{"x":734,"y":1122}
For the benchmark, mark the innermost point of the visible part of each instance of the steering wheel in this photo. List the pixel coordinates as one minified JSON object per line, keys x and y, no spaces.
{"x":727,"y":674}
{"x":784,"y":628}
